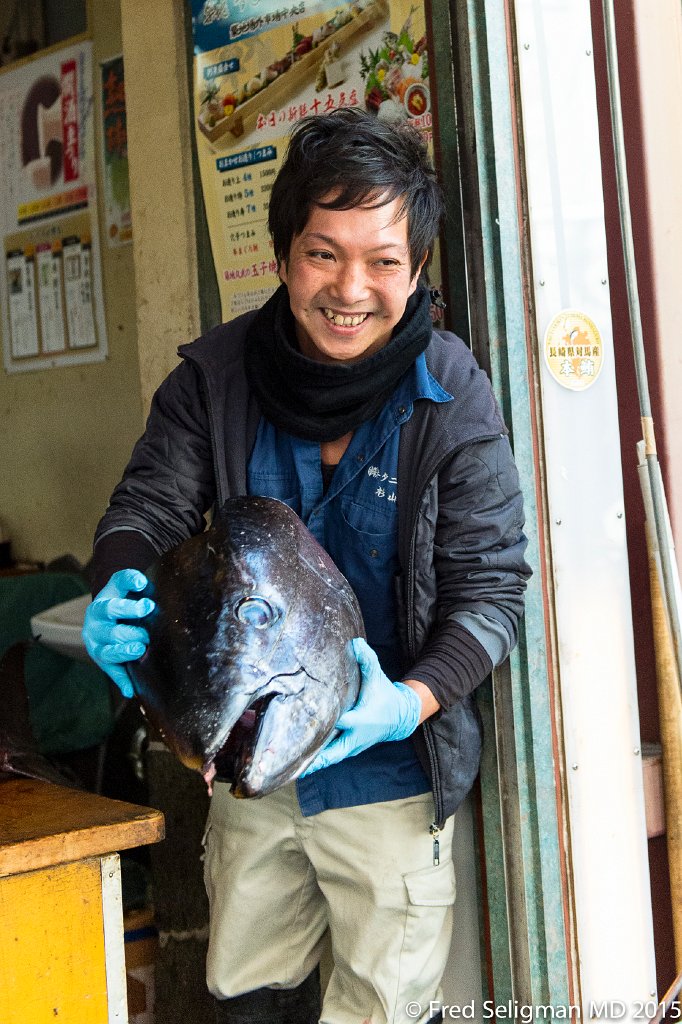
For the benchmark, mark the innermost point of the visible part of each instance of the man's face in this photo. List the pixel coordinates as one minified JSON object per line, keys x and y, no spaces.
{"x":349,"y":279}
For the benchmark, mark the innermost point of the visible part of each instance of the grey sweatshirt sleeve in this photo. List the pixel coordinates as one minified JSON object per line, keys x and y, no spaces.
{"x":480,"y":570}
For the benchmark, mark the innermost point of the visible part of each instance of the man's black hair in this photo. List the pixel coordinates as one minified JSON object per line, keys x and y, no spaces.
{"x":360,"y":161}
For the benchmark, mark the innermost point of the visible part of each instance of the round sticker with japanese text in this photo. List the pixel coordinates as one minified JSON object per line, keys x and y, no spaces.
{"x":574,"y":350}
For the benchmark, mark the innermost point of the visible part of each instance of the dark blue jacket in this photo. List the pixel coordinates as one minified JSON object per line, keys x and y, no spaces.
{"x":460,"y":516}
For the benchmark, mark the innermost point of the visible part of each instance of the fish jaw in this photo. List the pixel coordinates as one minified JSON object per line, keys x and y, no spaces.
{"x":295,"y":726}
{"x":233,"y":749}
{"x":289,"y":733}
{"x":196,"y":724}
{"x":259,"y":732}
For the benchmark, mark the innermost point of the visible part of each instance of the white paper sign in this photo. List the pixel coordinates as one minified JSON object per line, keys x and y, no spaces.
{"x":48,"y":209}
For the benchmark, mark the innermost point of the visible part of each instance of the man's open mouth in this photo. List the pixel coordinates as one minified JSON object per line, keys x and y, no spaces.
{"x":345,"y":319}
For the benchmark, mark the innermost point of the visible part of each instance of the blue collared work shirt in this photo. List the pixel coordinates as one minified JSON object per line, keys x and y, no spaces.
{"x":356,"y":521}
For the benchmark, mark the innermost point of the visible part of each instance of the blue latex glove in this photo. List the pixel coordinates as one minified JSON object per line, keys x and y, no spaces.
{"x":109,"y":642}
{"x":383,"y":711}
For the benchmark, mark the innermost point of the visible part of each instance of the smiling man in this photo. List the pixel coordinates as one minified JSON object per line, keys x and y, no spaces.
{"x":338,"y":398}
{"x":349,"y":276}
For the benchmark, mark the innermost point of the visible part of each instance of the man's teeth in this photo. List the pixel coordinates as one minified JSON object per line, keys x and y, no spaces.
{"x":344,"y":321}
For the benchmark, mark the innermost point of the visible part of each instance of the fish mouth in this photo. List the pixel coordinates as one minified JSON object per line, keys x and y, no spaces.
{"x":233,"y":759}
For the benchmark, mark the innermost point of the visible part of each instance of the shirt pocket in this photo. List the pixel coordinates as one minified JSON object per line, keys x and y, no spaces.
{"x":369,"y":523}
{"x":367,"y":540}
{"x":284,"y":488}
{"x":373,"y":539}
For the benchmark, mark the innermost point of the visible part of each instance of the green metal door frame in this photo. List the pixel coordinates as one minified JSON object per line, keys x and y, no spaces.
{"x":523,"y":828}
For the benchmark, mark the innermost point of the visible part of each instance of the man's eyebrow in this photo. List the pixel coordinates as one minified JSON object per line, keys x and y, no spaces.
{"x":311,"y":235}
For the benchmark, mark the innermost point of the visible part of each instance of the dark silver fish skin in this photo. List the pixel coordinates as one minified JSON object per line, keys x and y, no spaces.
{"x":17,"y":757}
{"x":250,"y":662}
{"x":19,"y":754}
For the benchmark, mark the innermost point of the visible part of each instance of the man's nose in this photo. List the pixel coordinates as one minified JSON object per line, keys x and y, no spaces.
{"x":350,"y":284}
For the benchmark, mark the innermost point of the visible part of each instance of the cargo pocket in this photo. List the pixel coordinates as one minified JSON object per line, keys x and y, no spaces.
{"x":432,"y":887}
{"x":428,"y":930}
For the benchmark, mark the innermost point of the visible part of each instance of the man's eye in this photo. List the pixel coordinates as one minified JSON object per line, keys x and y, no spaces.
{"x":388,"y":263}
{"x":321,"y":255}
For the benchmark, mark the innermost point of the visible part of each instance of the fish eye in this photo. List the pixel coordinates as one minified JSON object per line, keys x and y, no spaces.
{"x":255,"y":611}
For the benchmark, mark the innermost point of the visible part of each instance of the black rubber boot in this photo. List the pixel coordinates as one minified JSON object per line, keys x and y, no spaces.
{"x":300,"y":1005}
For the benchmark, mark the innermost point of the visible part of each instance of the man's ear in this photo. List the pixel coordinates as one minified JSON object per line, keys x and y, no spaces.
{"x":282,"y":271}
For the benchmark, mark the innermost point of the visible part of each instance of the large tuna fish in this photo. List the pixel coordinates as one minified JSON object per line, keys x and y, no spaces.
{"x":250,"y":662}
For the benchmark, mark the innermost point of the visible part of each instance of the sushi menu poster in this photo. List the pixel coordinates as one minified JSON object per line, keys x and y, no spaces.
{"x":262,"y":65}
{"x":50,"y":285}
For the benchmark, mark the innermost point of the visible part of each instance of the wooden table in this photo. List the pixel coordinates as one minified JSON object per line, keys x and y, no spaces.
{"x":61,"y":922}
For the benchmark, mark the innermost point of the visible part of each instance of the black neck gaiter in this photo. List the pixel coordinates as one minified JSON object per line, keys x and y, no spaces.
{"x":322,"y":401}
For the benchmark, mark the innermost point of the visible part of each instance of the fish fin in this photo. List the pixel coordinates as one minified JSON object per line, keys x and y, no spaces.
{"x":19,"y":754}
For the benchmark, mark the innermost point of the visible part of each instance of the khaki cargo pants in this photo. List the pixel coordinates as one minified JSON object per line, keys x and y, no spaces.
{"x":277,"y":881}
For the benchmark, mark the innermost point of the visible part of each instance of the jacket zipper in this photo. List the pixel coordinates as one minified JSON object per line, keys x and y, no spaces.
{"x":439,"y":822}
